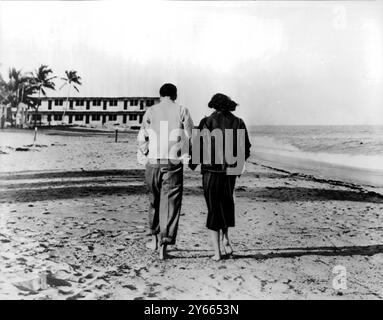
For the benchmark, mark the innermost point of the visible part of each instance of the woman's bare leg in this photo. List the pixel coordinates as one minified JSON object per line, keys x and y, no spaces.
{"x":215,"y":240}
{"x":226,"y":242}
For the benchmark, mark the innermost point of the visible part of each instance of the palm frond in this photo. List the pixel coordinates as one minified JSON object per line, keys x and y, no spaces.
{"x":50,"y":85}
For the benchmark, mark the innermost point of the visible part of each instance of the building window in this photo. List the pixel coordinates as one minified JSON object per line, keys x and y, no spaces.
{"x":79,"y":102}
{"x":78,"y":117}
{"x":97,"y":103}
{"x":49,"y":118}
{"x":36,"y":117}
{"x":141,"y":116}
{"x":112,"y":117}
{"x":125,"y":104}
{"x":50,"y":105}
{"x":59,"y":102}
{"x":57,"y":117}
{"x":132,"y":117}
{"x":104,"y":105}
{"x":96,"y":117}
{"x":134,"y":102}
{"x":141,"y":105}
{"x":124,"y":118}
{"x":87,"y":104}
{"x":113,"y":103}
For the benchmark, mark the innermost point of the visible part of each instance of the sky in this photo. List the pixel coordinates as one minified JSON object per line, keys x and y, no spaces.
{"x":285,"y":63}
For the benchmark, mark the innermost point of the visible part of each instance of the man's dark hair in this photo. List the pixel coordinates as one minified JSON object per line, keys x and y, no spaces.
{"x":169,"y":90}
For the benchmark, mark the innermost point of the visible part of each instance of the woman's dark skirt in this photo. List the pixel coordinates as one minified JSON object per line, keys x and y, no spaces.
{"x":218,"y":190}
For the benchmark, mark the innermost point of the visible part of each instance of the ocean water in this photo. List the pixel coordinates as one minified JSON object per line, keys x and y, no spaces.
{"x":352,"y":146}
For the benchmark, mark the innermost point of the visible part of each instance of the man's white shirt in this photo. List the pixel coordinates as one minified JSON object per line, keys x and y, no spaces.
{"x":165,"y":132}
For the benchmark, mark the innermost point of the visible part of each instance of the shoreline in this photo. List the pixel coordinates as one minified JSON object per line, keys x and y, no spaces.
{"x":371,"y":180}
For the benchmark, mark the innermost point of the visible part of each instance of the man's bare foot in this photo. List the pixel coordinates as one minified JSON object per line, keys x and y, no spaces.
{"x":162,"y":252}
{"x":152,"y":245}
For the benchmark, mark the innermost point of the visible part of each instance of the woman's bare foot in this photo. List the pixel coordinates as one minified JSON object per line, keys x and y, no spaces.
{"x":216,"y":257}
{"x":227,"y":248}
{"x":162,"y":252}
{"x":215,"y":240}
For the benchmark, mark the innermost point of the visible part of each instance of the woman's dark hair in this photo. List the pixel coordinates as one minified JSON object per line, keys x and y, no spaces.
{"x":222,"y":102}
{"x":169,"y":90}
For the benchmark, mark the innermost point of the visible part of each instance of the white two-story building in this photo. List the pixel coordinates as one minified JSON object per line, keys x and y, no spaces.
{"x":92,"y":111}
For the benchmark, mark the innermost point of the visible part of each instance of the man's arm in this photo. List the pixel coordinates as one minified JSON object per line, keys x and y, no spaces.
{"x":143,"y":135}
{"x":196,"y":141}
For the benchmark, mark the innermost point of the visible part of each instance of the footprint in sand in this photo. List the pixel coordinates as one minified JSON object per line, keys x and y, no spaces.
{"x":130,"y":287}
{"x":152,"y":294}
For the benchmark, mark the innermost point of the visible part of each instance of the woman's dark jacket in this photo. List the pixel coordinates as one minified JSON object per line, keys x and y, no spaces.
{"x":222,"y":121}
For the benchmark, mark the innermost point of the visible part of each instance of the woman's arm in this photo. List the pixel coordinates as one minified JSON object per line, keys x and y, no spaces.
{"x":195,"y":141}
{"x":247,"y":140}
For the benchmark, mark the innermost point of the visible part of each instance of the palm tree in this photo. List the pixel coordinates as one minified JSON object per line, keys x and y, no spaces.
{"x":3,"y":97}
{"x":15,"y":89}
{"x":3,"y":90}
{"x":70,"y":80}
{"x":41,"y":81}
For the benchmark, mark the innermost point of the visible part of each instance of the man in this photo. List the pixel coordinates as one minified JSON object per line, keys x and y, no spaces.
{"x":164,"y":144}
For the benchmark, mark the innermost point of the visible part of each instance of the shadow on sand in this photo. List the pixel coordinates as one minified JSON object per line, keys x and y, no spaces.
{"x":26,"y":175}
{"x":40,"y":185}
{"x":293,"y":252}
{"x":75,"y":189}
{"x":309,"y":194}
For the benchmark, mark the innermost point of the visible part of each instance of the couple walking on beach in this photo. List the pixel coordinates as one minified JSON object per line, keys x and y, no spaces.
{"x":168,"y":141}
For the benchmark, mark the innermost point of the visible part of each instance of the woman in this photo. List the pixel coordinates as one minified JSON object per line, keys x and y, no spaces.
{"x":219,"y":173}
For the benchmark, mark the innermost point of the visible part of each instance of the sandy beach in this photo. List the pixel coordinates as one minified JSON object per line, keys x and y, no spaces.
{"x":73,"y":225}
